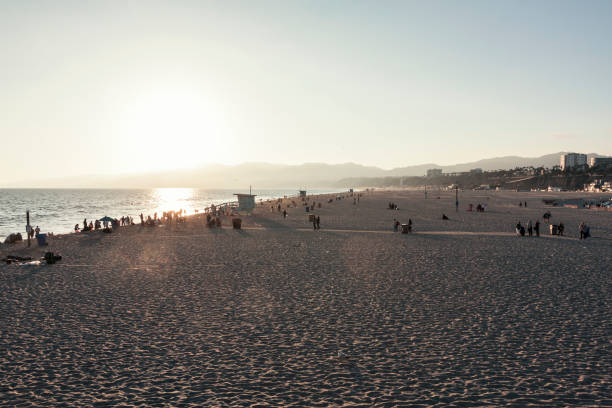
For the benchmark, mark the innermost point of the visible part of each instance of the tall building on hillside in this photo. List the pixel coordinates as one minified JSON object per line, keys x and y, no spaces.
{"x":600,"y":161}
{"x":571,"y":160}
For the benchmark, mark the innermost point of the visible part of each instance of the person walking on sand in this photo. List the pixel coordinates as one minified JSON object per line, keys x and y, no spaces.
{"x":409,"y":224}
{"x":314,"y":223}
{"x":536,"y":228}
{"x":318,"y":219}
{"x":529,"y":228}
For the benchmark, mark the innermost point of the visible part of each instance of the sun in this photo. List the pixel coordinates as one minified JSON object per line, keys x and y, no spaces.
{"x":174,"y":128}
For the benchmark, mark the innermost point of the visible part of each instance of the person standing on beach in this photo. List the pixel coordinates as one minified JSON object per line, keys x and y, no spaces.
{"x":314,"y":223}
{"x":318,"y":220}
{"x":529,"y":228}
{"x":536,"y":228}
{"x":37,"y":231}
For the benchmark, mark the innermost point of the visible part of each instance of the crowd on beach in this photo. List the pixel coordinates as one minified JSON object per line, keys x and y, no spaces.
{"x":531,"y":229}
{"x":214,"y":216}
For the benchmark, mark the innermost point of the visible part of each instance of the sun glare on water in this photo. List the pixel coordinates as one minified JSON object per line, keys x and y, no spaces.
{"x":174,"y":199}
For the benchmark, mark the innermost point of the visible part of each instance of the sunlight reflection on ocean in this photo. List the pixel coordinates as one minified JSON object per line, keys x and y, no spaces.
{"x":58,"y":210}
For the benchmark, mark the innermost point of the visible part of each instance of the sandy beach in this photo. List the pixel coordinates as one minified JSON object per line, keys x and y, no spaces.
{"x":462,"y":312}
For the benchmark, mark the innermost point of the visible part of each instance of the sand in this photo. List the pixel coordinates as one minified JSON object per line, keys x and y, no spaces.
{"x":460,"y":313}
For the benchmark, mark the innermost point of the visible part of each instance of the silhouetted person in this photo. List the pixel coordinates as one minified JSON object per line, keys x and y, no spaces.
{"x":536,"y":228}
{"x":529,"y":228}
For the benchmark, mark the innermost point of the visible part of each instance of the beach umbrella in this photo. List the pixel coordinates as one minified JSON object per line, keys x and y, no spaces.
{"x":106,"y":218}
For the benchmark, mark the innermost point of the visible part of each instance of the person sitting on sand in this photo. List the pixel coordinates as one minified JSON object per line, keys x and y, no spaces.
{"x":76,"y":227}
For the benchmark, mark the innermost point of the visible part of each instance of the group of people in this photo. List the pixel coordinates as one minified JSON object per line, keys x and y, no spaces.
{"x":393,"y":206}
{"x":530,"y":229}
{"x":479,"y":207}
{"x":213,"y":221}
{"x":127,"y":220}
{"x":32,"y":232}
{"x":397,"y":225}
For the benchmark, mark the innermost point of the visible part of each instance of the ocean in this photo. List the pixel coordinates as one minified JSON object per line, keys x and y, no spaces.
{"x":58,"y":210}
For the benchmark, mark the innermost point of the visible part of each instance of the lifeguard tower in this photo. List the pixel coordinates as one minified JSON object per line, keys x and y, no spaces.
{"x":246,"y":202}
{"x":302,"y":193}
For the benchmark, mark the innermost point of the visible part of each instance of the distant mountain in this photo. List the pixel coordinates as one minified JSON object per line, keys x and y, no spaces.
{"x":266,"y":175}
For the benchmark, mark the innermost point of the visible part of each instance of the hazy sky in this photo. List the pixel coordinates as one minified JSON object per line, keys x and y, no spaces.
{"x":103,"y":87}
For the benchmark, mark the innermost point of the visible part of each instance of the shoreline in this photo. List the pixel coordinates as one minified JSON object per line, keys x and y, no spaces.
{"x":70,"y":229}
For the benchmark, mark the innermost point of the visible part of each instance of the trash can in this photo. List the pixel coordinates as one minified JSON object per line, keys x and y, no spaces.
{"x":554,"y":230}
{"x":237,"y":223}
{"x":405,"y":229}
{"x":307,"y":209}
{"x":42,"y":239}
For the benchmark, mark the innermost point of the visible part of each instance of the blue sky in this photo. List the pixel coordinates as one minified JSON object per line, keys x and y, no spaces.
{"x":118,"y":87}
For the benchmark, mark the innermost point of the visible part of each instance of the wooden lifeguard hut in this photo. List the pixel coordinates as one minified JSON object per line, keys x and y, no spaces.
{"x":246,"y":202}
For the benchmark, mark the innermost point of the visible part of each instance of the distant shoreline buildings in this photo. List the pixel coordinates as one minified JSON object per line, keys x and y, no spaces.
{"x":572,"y":160}
{"x":600,"y":161}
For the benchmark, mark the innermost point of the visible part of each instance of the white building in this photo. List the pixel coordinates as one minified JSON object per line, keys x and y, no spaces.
{"x":571,"y":160}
